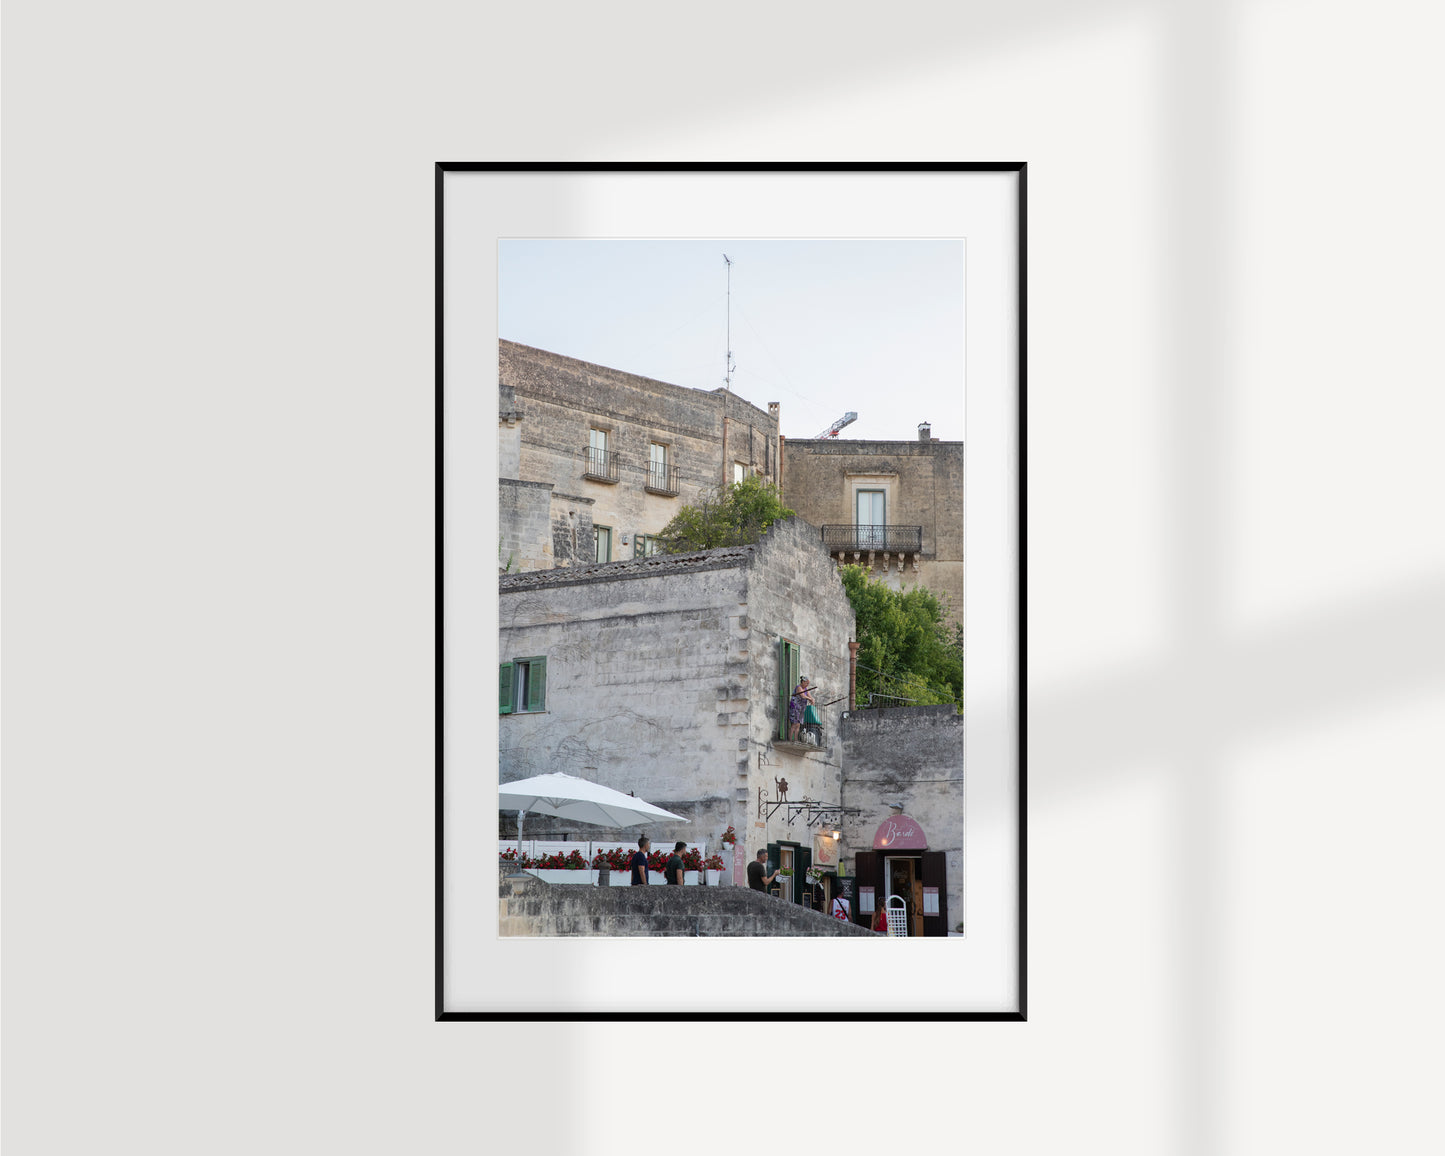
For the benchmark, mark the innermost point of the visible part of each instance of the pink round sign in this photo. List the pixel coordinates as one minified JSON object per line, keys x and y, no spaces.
{"x":900,"y":833}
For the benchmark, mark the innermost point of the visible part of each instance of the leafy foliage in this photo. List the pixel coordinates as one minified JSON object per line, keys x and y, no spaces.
{"x":905,"y":649}
{"x":736,"y":515}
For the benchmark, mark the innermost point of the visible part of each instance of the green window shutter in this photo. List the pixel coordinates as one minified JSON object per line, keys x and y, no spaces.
{"x":782,"y":688}
{"x":775,"y":860}
{"x":788,"y":660}
{"x":537,"y":685}
{"x":506,"y":696}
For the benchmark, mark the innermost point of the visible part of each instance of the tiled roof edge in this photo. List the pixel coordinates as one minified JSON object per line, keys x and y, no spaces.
{"x":723,"y":558}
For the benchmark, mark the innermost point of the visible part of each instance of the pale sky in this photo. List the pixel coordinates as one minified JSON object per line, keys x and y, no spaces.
{"x":823,"y":327}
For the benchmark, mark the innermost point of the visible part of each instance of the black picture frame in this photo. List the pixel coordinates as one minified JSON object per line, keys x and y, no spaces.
{"x":1019,"y":171}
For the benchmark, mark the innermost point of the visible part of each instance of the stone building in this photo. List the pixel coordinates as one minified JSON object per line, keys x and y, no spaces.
{"x":896,"y":507}
{"x":668,"y":677}
{"x":903,"y":830}
{"x":594,"y":461}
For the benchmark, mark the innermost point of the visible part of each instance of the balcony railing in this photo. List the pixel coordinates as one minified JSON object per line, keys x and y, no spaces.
{"x":662,"y":479}
{"x":894,"y":539}
{"x":599,"y":465}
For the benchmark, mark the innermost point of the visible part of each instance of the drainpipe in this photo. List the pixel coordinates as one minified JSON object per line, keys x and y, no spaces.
{"x":852,"y":674}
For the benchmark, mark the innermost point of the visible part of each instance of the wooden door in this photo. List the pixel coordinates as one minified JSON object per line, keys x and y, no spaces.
{"x":867,"y":870}
{"x":935,"y":874}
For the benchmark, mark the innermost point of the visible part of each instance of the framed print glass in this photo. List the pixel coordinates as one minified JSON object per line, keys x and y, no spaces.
{"x":753,"y":615}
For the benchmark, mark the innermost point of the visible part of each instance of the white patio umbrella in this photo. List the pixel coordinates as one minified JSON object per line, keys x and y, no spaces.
{"x":582,"y":801}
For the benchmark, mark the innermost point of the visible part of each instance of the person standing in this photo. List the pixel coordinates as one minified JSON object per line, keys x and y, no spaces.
{"x":638,"y":862}
{"x":673,"y":871}
{"x":756,"y":870}
{"x":801,"y":700}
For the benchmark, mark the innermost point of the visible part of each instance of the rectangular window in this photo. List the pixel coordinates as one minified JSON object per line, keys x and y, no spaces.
{"x":740,"y":472}
{"x":871,"y":519}
{"x":645,"y":546}
{"x":523,"y":686}
{"x":603,"y":537}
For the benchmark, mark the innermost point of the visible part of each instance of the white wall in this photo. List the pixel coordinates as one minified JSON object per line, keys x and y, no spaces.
{"x":218,"y":459}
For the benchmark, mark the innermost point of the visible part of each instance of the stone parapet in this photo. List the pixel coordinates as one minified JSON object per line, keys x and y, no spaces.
{"x":534,"y":908}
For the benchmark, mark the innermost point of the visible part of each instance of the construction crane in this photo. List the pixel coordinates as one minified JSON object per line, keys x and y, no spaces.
{"x":832,"y":431}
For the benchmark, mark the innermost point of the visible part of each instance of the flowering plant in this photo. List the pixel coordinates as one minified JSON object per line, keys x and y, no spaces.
{"x":618,"y":859}
{"x":815,"y":874}
{"x":572,"y":861}
{"x":713,"y":863}
{"x":692,"y":859}
{"x":729,"y":837}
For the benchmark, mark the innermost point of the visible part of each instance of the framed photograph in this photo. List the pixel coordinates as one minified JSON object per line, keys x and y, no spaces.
{"x":751,"y":617}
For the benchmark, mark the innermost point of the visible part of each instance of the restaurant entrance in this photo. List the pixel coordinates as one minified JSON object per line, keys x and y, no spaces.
{"x":900,"y":863}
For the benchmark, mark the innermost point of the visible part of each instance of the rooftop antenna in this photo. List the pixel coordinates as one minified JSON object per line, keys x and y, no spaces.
{"x":729,"y":366}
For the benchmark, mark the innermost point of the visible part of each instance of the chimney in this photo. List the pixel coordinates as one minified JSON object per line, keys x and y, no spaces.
{"x":924,"y":429}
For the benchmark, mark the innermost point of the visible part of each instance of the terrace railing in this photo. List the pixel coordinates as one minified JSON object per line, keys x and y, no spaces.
{"x":599,"y":465}
{"x":895,"y":539}
{"x":662,"y":479}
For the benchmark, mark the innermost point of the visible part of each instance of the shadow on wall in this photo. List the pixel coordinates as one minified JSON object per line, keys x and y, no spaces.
{"x":1208,"y":687}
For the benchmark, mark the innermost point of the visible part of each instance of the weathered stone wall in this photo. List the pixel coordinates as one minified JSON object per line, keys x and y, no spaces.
{"x":637,"y":669}
{"x":794,"y":592}
{"x":662,"y":678}
{"x":912,"y":756}
{"x":534,"y":908}
{"x":561,"y":399}
{"x":525,"y":525}
{"x":509,"y":433}
{"x":572,"y":530}
{"x":926,"y":490}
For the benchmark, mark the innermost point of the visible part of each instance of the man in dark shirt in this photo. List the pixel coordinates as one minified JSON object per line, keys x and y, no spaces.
{"x":638,"y":862}
{"x":756,"y":870}
{"x":673,"y":871}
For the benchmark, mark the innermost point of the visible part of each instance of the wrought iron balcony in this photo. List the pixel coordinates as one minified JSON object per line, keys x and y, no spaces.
{"x":662,"y":479}
{"x":599,"y":465}
{"x":855,"y":539}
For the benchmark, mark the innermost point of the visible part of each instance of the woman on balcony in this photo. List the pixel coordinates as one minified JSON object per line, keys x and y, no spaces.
{"x":802,"y":701}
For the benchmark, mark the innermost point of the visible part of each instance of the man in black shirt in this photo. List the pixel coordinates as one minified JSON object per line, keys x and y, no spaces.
{"x":756,"y":870}
{"x":638,"y":862}
{"x":673,"y":871}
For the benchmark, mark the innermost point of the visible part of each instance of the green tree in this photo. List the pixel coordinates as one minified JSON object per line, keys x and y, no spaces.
{"x":905,"y":648}
{"x":735,"y":515}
